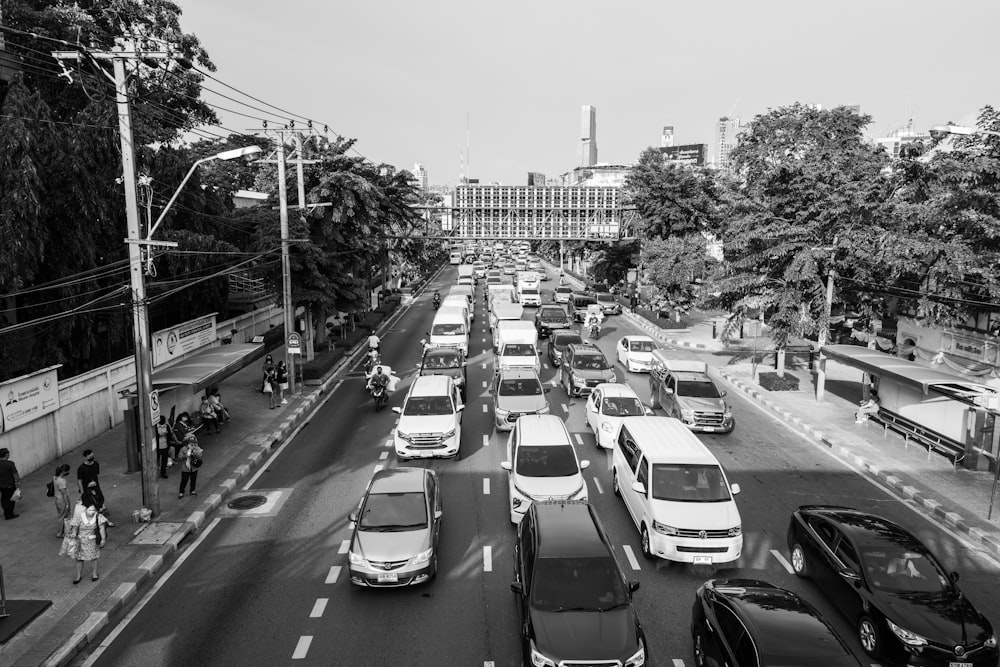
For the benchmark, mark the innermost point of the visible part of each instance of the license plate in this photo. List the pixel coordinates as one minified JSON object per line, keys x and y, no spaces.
{"x":702,"y":560}
{"x":959,"y":664}
{"x":388,"y":578}
{"x":708,"y":429}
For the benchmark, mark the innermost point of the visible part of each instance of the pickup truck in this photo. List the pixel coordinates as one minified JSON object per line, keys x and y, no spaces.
{"x":684,"y":390}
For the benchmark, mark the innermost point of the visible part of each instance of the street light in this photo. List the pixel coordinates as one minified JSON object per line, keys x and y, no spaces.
{"x":942,"y":131}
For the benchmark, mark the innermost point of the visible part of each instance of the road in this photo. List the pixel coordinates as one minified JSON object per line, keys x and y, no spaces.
{"x":272,"y":589}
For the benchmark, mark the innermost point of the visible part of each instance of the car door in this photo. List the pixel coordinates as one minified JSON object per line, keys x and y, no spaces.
{"x":845,"y":592}
{"x":434,"y":506}
{"x":593,"y":413}
{"x":636,"y":502}
{"x":622,"y":350}
{"x":668,"y":399}
{"x":731,"y":633}
{"x":820,"y":552}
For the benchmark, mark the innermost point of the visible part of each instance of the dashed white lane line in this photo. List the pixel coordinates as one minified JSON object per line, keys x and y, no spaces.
{"x":485,"y":384}
{"x":545,"y":366}
{"x":377,"y":468}
{"x":579,"y":438}
{"x":383,"y":456}
{"x":388,"y":443}
{"x":345,"y":546}
{"x":333,"y":575}
{"x":631,"y":557}
{"x":484,"y":367}
{"x":486,"y":486}
{"x":597,"y":483}
{"x":486,"y":440}
{"x":678,"y":662}
{"x":302,"y":647}
{"x":319,"y":607}
{"x":487,"y":559}
{"x":781,"y":559}
{"x":484,"y":339}
{"x":485,"y":408}
{"x":565,"y":408}
{"x":487,"y":663}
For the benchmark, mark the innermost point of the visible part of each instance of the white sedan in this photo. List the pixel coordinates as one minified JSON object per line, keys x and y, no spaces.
{"x":607,"y":405}
{"x":635,"y":353}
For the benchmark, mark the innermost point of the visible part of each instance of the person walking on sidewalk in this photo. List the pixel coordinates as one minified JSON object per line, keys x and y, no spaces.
{"x":88,"y":480}
{"x":190,"y":456}
{"x":164,"y":441}
{"x":89,"y":531}
{"x":281,"y":378}
{"x":10,"y":482}
{"x":61,"y":490}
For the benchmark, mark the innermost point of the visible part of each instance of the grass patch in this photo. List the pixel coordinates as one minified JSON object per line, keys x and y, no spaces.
{"x":772,"y":382}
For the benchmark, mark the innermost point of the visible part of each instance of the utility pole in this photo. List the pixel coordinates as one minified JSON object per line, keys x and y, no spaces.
{"x":135,"y":241}
{"x":821,"y":338}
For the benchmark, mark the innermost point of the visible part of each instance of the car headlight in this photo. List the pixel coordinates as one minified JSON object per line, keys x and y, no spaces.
{"x":607,"y":427}
{"x":578,"y":380}
{"x":638,"y":658}
{"x":544,"y":410}
{"x":905,"y":636}
{"x":664,"y":528}
{"x":538,"y":659}
{"x":357,"y":559}
{"x":991,"y":642}
{"x":687,"y":414}
{"x":405,"y":437}
{"x":448,"y":434}
{"x":422,"y":557}
{"x":580,"y":493}
{"x":728,"y":414}
{"x":736,"y":530}
{"x":614,"y":378}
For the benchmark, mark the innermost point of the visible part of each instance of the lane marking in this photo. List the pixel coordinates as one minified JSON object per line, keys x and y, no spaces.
{"x":383,"y":456}
{"x":487,"y":559}
{"x":377,"y":468}
{"x":486,"y":440}
{"x":678,"y":662}
{"x":488,"y":663}
{"x":484,"y":340}
{"x":388,"y":443}
{"x":333,"y":575}
{"x":302,"y":648}
{"x":597,"y":483}
{"x":485,"y":408}
{"x":565,"y":408}
{"x":486,"y":486}
{"x":318,"y":608}
{"x":781,"y":559}
{"x":484,"y":384}
{"x":579,"y":438}
{"x":484,"y":367}
{"x":345,"y":546}
{"x":631,"y":557}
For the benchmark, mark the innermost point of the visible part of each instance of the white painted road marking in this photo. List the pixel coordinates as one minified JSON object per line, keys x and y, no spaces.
{"x":377,"y":468}
{"x":484,"y":366}
{"x":333,"y":575}
{"x":486,"y":486}
{"x":565,"y":408}
{"x":781,"y":559}
{"x":484,"y":340}
{"x":597,"y":483}
{"x":485,"y":384}
{"x":383,"y":456}
{"x":487,"y":559}
{"x":631,"y":557}
{"x":486,"y":440}
{"x":302,"y":648}
{"x":678,"y":662}
{"x":579,"y":438}
{"x":318,"y":608}
{"x":345,"y":546}
{"x":485,"y":408}
{"x":388,"y":443}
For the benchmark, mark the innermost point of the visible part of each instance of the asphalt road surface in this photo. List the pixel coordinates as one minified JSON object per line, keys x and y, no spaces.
{"x":273,"y":589}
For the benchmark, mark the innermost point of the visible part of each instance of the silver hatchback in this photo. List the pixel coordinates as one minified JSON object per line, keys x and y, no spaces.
{"x":396,"y":529}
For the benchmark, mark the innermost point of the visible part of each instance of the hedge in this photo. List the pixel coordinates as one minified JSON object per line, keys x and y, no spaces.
{"x":321,"y":364}
{"x":352,"y":339}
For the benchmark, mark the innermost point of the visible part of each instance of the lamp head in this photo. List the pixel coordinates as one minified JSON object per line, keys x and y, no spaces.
{"x":238,"y":153}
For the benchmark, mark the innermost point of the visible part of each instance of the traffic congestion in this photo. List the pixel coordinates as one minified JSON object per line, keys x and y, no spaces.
{"x":566,"y":490}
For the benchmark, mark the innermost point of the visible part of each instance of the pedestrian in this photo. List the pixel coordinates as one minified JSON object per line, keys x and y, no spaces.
{"x":182,"y":426}
{"x":88,"y":479}
{"x":221,"y":413}
{"x":208,"y":418}
{"x":281,"y":379}
{"x":164,"y":441}
{"x":190,"y":456}
{"x":89,"y":532}
{"x":60,"y":491}
{"x":10,"y":484}
{"x":267,"y":370}
{"x":271,"y":387}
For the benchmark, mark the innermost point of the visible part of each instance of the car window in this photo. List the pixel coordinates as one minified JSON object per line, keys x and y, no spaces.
{"x":388,"y":512}
{"x":826,"y":532}
{"x":518,"y":350}
{"x":577,"y":584}
{"x":628,"y":449}
{"x":546,"y":461}
{"x":590,"y":362}
{"x":731,"y":627}
{"x":847,"y":555}
{"x":696,"y":389}
{"x":437,"y":361}
{"x":520,"y":387}
{"x":457,"y":329}
{"x":642,"y":473}
{"x":689,"y":483}
{"x":904,"y":570}
{"x":746,"y":651}
{"x":641,"y":346}
{"x":622,"y":406}
{"x":428,"y":405}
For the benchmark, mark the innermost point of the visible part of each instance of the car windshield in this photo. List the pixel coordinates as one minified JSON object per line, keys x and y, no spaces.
{"x":564,"y":290}
{"x":689,"y":483}
{"x":566,"y":339}
{"x":622,"y":406}
{"x":518,"y":350}
{"x":448,"y":329}
{"x":577,"y":584}
{"x":606,"y":298}
{"x":552,"y":314}
{"x":521,"y":387}
{"x":529,"y":290}
{"x":583,"y":303}
{"x":386,"y":512}
{"x":697,"y":389}
{"x":590,"y":362}
{"x":428,"y":405}
{"x":546,"y":461}
{"x":898,"y":570}
{"x":435,"y":361}
{"x":641,"y":345}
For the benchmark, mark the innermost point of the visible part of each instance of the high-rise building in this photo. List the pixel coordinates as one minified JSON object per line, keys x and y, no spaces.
{"x":667,"y":138}
{"x":725,"y":140}
{"x":588,"y":136}
{"x":421,"y":175}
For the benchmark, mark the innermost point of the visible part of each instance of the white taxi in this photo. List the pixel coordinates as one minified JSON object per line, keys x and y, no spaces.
{"x":635,"y":353}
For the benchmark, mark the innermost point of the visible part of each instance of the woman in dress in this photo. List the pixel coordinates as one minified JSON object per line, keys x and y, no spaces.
{"x":90,"y":533}
{"x":61,"y":496}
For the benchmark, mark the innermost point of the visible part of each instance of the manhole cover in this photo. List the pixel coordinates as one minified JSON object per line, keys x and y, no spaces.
{"x":246,"y":502}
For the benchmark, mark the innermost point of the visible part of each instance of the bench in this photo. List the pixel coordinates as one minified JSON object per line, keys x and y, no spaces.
{"x":950,"y":449}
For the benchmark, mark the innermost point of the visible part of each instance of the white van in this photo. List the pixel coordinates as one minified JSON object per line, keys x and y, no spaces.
{"x":516,"y":345}
{"x":465,"y":290}
{"x":676,"y":492}
{"x":504,"y":310}
{"x":450,"y":329}
{"x":502,"y":292}
{"x":459,"y":301}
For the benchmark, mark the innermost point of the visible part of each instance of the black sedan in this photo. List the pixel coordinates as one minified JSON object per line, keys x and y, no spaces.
{"x":549,"y":319}
{"x":906,"y":607}
{"x":750,"y":622}
{"x":446,"y":361}
{"x":558,"y":343}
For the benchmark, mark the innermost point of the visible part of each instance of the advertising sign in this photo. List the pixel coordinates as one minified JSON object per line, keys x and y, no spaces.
{"x":174,"y":343}
{"x":294,"y":343}
{"x":29,"y":397}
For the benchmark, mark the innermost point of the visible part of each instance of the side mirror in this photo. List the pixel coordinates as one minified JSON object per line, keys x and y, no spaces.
{"x":584,"y":464}
{"x":633,"y":586}
{"x":353,"y":517}
{"x":518,"y":588}
{"x":669,"y":392}
{"x":398,"y":411}
{"x":639,"y":488}
{"x":954,"y":577}
{"x":735,"y":488}
{"x":546,"y":390}
{"x":852,"y":576}
{"x":506,"y":465}
{"x":438,"y":514}
{"x":649,"y":410}
{"x":723,"y":392}
{"x":461,"y":408}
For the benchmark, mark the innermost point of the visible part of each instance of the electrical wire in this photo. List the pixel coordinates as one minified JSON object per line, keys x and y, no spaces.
{"x":878,"y":288}
{"x":103,"y":271}
{"x":79,"y":310}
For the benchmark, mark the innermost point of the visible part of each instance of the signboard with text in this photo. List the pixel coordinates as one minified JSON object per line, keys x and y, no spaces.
{"x":174,"y":343}
{"x":29,"y":397}
{"x":294,"y":344}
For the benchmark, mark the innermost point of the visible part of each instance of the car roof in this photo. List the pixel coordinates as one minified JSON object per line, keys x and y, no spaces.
{"x":667,"y":440}
{"x":564,"y":288}
{"x":543,"y":430}
{"x":567,"y":529}
{"x":865,"y":529}
{"x":566,"y":334}
{"x":586,"y":348}
{"x":637,"y":337}
{"x":431,"y":385}
{"x":616,"y":389}
{"x":401,"y":479}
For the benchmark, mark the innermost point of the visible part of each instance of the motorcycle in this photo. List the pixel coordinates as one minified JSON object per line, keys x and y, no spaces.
{"x":437,"y":302}
{"x":378,"y":395}
{"x":595,"y":331}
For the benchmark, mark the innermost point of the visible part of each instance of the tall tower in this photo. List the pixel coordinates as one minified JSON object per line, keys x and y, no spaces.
{"x":421,"y":175}
{"x":725,"y":140}
{"x":667,"y":138}
{"x":588,"y":136}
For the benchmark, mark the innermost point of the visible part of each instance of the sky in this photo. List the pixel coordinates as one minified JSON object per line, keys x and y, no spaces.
{"x":504,"y":82}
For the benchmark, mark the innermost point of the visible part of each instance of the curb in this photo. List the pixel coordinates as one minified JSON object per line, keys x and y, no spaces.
{"x":936,"y":508}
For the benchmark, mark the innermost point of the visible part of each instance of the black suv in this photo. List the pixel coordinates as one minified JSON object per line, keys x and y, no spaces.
{"x":576,"y":605}
{"x":446,"y":361}
{"x":550,"y":318}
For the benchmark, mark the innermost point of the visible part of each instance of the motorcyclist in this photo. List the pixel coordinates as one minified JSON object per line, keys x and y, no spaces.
{"x":594,"y":324}
{"x":437,"y":299}
{"x":378,"y":379}
{"x":372,"y":360}
{"x":374,"y":343}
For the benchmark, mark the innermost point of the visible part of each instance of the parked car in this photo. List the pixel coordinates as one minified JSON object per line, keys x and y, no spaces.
{"x":583,"y":368}
{"x":562,"y":294}
{"x":608,"y":303}
{"x":750,"y":622}
{"x":576,"y":605}
{"x":446,"y":361}
{"x":517,"y":392}
{"x":396,"y":527}
{"x":635,"y":353}
{"x":607,"y":405}
{"x":549,"y":319}
{"x":558,"y":342}
{"x":905,"y":605}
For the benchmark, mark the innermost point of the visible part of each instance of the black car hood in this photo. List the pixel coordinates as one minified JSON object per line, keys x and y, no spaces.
{"x":945,"y":619}
{"x":590,"y":635}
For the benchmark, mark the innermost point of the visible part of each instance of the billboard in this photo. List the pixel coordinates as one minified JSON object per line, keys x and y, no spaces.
{"x":691,"y":154}
{"x":175,"y":342}
{"x":28,"y":397}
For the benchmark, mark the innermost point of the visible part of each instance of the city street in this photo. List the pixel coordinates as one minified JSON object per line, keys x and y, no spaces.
{"x":272,"y":588}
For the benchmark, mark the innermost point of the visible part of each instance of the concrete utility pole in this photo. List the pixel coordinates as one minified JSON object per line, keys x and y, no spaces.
{"x":135,"y":241}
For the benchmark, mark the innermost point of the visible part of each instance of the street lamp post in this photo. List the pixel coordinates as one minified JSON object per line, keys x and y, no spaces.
{"x":942,"y":131}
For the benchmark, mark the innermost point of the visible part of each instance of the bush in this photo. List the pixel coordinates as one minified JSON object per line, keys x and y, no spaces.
{"x":352,"y":339}
{"x":372,"y":320}
{"x":772,"y":382}
{"x":321,"y":364}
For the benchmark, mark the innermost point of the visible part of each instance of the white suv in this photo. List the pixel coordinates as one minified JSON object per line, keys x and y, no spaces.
{"x":430,"y":421}
{"x":542,"y":464}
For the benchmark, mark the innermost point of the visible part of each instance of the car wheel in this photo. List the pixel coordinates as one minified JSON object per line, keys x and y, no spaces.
{"x":654,"y":398}
{"x":699,"y":647}
{"x":799,"y":565}
{"x":434,"y":569}
{"x":614,"y":484}
{"x":870,"y":636}
{"x":644,"y":542}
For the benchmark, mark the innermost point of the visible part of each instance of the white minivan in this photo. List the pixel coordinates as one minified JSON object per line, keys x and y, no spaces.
{"x":459,"y":301}
{"x":450,"y":328}
{"x":676,"y":492}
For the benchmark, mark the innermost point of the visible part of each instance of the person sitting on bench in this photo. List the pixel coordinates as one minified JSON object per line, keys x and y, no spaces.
{"x":867,"y":408}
